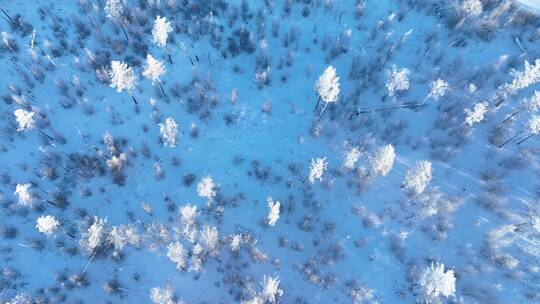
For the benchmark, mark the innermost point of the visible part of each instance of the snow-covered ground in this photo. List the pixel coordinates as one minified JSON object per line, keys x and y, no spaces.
{"x":410,"y":175}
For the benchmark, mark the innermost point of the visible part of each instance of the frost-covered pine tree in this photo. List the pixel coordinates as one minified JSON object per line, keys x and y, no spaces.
{"x":533,"y":103}
{"x":397,"y":80}
{"x":114,"y":11}
{"x":47,"y":224}
{"x":113,"y":8}
{"x":383,"y":160}
{"x":177,"y":254}
{"x":273,"y":212}
{"x":206,"y":188}
{"x":163,"y":295}
{"x":522,"y":79}
{"x":169,"y":132}
{"x":188,"y":222}
{"x":419,"y":177}
{"x":271,"y":291}
{"x":472,"y":7}
{"x":161,"y":31}
{"x":25,"y":119}
{"x":476,"y":114}
{"x":439,"y":88}
{"x":351,"y":158}
{"x":23,"y":193}
{"x":210,"y":240}
{"x":318,"y":166}
{"x":122,"y":235}
{"x":95,"y":236}
{"x":122,"y":77}
{"x":327,"y":87}
{"x":534,"y":127}
{"x":153,"y":70}
{"x":435,"y":282}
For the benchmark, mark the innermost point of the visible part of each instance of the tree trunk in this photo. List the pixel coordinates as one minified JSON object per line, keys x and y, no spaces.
{"x":123,"y":30}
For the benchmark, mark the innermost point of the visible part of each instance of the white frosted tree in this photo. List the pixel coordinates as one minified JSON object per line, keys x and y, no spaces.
{"x":472,"y":7}
{"x":327,"y":87}
{"x":522,"y":79}
{"x":439,"y":88}
{"x":25,"y":119}
{"x":476,"y":114}
{"x":163,"y":295}
{"x":273,"y":212}
{"x":95,"y":236}
{"x":153,"y":70}
{"x":47,"y":225}
{"x":169,"y":132}
{"x":270,"y":293}
{"x":114,"y":11}
{"x":122,"y":77}
{"x":419,"y":177}
{"x":534,"y":127}
{"x":397,"y":80}
{"x":188,"y":222}
{"x":352,"y":156}
{"x":318,"y":166}
{"x":160,"y":32}
{"x":210,"y":240}
{"x":206,"y":188}
{"x":177,"y":254}
{"x":434,"y":283}
{"x":24,"y":195}
{"x":123,"y":235}
{"x":383,"y":160}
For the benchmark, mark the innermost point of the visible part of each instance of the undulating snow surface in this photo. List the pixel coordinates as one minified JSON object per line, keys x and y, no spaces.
{"x":276,"y":151}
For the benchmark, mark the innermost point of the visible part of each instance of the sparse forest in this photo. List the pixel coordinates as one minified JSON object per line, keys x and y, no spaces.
{"x":270,"y":151}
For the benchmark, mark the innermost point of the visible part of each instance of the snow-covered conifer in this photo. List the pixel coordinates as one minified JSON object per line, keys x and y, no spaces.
{"x":122,"y":77}
{"x":161,"y":31}
{"x":177,"y":254}
{"x":169,"y":132}
{"x":23,"y":193}
{"x":25,"y":119}
{"x":113,"y":8}
{"x":122,"y":235}
{"x":188,"y":221}
{"x":435,"y":282}
{"x":206,"y":188}
{"x":153,"y":69}
{"x":318,"y":166}
{"x":439,"y":88}
{"x":210,"y":240}
{"x":47,"y":224}
{"x":418,"y":178}
{"x":398,"y":80}
{"x":476,"y":114}
{"x":472,"y":7}
{"x":273,"y":212}
{"x":271,"y":291}
{"x":523,"y":79}
{"x":117,"y":162}
{"x":534,"y":124}
{"x":95,"y":236}
{"x":351,"y":158}
{"x":163,"y":295}
{"x":328,"y":87}
{"x":383,"y":160}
